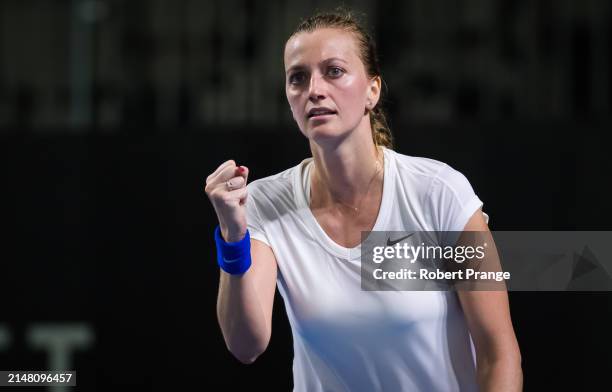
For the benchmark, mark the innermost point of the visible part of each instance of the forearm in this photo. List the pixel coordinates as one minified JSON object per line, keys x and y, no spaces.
{"x":241,"y":317}
{"x":501,"y":375}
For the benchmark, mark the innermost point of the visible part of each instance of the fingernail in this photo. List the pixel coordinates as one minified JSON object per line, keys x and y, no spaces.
{"x":241,"y":169}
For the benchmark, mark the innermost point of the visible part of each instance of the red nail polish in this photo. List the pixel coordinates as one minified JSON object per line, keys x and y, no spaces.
{"x":241,"y":169}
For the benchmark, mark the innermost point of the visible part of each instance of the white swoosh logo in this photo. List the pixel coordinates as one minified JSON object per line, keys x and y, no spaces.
{"x":231,"y":260}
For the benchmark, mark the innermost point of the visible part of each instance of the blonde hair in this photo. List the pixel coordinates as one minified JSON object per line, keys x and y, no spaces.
{"x":345,"y":20}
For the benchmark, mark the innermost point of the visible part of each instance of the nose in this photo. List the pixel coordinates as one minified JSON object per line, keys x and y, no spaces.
{"x":316,"y":90}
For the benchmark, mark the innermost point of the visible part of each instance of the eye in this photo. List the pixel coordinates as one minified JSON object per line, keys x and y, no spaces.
{"x":335,"y":72}
{"x":296,"y":78}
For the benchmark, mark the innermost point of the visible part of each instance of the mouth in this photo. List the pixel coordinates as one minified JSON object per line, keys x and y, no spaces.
{"x":320,"y":113}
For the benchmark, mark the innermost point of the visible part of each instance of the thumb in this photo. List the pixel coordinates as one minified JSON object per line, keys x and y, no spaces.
{"x":244,"y":172}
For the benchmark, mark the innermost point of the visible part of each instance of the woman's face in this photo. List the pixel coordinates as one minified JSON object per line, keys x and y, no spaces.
{"x":326,"y":83}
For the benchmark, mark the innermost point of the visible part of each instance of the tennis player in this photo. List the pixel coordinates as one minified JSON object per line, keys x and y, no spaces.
{"x":300,"y":230}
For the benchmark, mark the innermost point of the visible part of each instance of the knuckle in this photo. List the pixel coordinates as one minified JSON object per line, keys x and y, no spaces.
{"x":210,"y":187}
{"x":213,"y":193}
{"x":226,"y":198}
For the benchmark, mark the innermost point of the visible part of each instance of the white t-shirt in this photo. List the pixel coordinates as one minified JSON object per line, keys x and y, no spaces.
{"x":347,"y":339}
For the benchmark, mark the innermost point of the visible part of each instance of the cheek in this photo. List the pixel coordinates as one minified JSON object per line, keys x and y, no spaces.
{"x":352,"y":94}
{"x":292,"y":98}
{"x":294,"y":104}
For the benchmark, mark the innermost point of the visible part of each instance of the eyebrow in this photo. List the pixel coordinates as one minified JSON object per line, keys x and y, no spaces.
{"x":327,"y":60}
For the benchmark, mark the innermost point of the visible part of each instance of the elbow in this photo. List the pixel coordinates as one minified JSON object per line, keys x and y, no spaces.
{"x":518,"y":361}
{"x":508,"y":362}
{"x":246,"y":344}
{"x":515,"y":360}
{"x":248,"y":352}
{"x":515,"y":369}
{"x":247,"y":357}
{"x":246,"y":360}
{"x":509,"y":359}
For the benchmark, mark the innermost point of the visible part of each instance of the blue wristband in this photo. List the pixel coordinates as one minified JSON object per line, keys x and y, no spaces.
{"x":233,"y":257}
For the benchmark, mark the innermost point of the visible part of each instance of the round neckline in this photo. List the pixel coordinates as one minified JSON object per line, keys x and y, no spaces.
{"x":302,"y":196}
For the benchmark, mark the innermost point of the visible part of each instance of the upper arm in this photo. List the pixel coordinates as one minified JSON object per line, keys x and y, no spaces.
{"x":263,"y":261}
{"x":487,"y":312}
{"x":264,"y":270}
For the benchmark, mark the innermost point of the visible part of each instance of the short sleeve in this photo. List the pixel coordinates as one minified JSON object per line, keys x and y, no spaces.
{"x":255,"y":224}
{"x":453,"y":200}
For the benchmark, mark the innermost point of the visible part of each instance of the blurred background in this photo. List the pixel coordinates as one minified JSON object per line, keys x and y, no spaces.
{"x":113,"y":113}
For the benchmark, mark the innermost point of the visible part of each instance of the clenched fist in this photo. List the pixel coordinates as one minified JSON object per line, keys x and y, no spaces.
{"x":227,"y":191}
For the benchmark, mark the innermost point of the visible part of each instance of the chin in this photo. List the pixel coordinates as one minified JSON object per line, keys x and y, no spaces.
{"x":325,"y":134}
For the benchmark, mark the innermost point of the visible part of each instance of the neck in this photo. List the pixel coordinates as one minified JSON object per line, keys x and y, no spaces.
{"x":346,"y":172}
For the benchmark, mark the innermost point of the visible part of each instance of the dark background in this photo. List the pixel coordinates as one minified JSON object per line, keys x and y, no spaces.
{"x":113,"y":113}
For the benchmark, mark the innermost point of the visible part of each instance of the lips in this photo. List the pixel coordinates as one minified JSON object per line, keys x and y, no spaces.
{"x":320,"y":111}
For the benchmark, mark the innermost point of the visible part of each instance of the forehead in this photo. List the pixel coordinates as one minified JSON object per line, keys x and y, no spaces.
{"x":320,"y":44}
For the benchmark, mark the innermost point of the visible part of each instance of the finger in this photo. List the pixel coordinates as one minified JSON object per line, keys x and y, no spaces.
{"x":244,"y":199}
{"x":221,"y":167}
{"x":225,"y":174}
{"x":237,"y":195}
{"x":244,"y":172}
{"x":234,"y":183}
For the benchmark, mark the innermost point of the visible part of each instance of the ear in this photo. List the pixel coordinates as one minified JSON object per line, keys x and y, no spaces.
{"x":373,"y":93}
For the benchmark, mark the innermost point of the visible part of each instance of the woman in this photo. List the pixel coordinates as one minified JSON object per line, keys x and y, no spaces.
{"x":301,"y":229}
